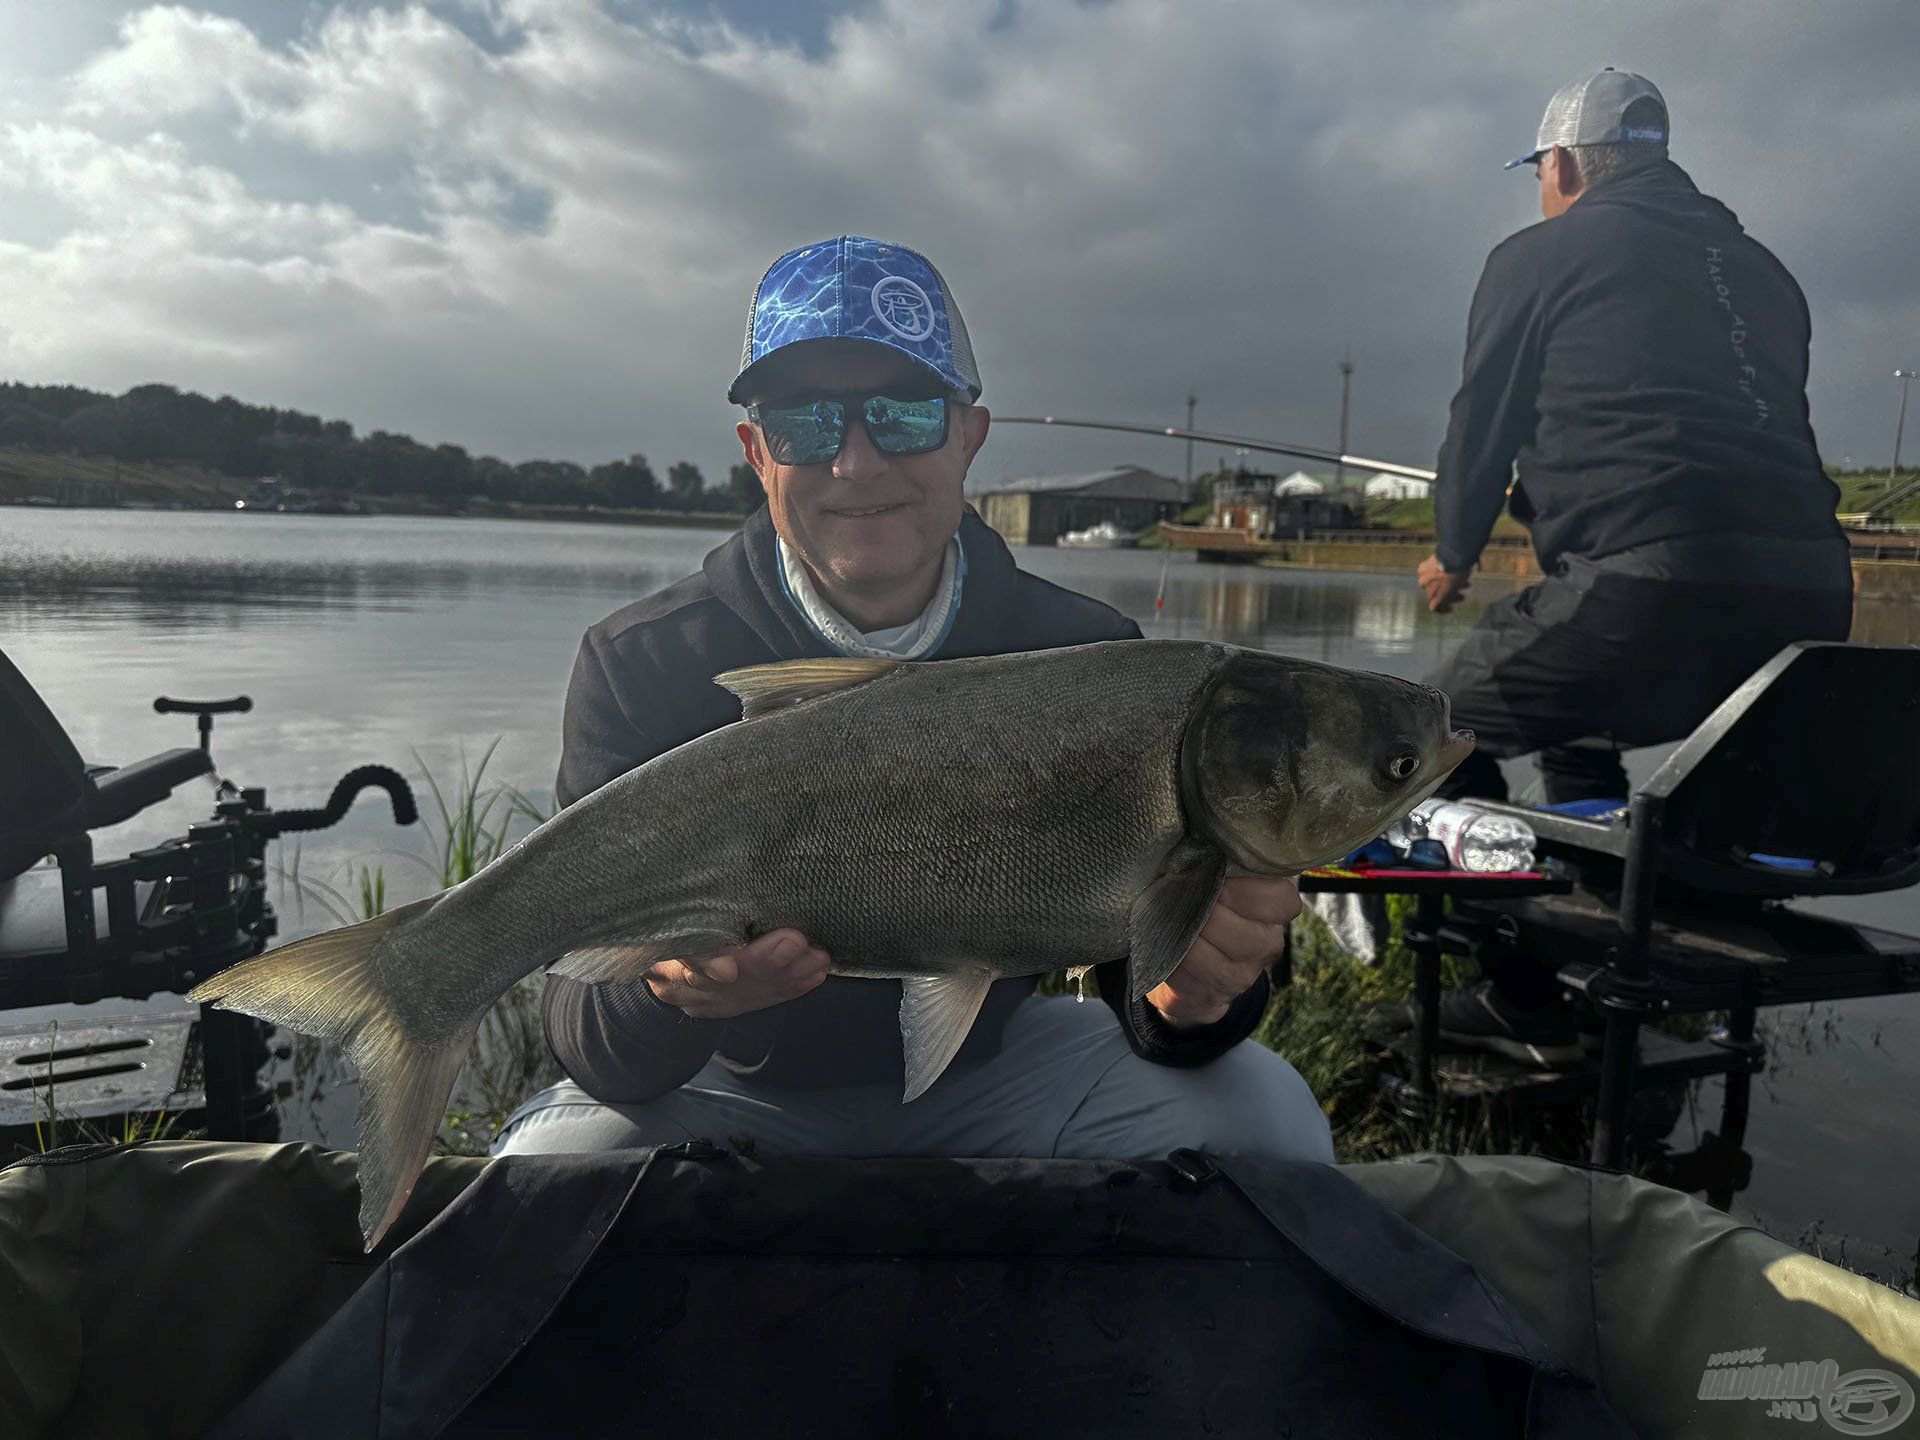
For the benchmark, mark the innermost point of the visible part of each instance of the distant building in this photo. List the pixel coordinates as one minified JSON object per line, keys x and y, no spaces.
{"x":1040,"y":509}
{"x":1396,"y":487}
{"x":1267,"y":508}
{"x":1300,"y":483}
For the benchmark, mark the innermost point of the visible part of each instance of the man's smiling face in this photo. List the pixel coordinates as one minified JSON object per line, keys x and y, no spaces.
{"x":872,"y":528}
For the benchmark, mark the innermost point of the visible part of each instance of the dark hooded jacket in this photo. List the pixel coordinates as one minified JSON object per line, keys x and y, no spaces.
{"x":643,"y":683}
{"x":1644,"y":362}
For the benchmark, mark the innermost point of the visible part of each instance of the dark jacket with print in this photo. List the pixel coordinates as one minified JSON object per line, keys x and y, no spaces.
{"x":1643,"y":362}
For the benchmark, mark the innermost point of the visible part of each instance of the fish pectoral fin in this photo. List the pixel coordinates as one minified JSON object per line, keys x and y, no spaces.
{"x":936,"y":1012}
{"x":764,"y":689}
{"x":616,"y":958}
{"x":1169,"y":913}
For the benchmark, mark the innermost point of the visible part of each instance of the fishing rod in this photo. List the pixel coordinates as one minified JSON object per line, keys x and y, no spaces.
{"x":1239,"y":442}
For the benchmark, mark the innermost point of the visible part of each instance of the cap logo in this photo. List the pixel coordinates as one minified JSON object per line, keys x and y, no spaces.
{"x":903,"y":307}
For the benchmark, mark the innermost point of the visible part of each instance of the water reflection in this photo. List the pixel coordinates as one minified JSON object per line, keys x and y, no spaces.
{"x":1379,"y":622}
{"x":173,"y":571}
{"x":176,"y":590}
{"x":1323,"y":620}
{"x":1886,"y":622}
{"x":79,"y":569}
{"x":384,"y":640}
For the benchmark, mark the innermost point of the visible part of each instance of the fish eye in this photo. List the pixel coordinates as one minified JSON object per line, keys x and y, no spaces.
{"x":1403,"y":765}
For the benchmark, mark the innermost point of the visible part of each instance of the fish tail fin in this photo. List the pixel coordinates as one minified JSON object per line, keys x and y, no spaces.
{"x":322,"y":985}
{"x":404,"y":1087}
{"x":326,"y":985}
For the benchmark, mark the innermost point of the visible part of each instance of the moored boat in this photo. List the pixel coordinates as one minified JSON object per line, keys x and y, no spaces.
{"x":1107,"y":535}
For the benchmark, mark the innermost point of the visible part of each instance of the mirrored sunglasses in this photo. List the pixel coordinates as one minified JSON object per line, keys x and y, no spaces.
{"x":811,"y":432}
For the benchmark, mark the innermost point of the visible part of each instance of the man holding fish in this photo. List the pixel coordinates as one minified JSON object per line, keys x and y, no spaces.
{"x":859,"y":383}
{"x":764,"y":786}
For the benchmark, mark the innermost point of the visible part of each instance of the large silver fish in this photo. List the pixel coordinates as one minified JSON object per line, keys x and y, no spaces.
{"x":946,"y":823}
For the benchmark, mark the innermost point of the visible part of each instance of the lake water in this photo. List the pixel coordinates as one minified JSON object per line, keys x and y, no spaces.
{"x":414,"y":641}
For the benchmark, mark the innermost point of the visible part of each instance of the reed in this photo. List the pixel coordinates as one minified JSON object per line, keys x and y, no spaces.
{"x":476,"y":825}
{"x":1319,"y":1023}
{"x":510,"y":1060}
{"x":471,"y":823}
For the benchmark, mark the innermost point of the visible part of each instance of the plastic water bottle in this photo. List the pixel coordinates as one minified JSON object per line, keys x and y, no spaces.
{"x":1472,"y":838}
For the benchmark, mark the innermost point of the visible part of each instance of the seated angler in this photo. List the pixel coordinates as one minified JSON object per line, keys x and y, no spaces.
{"x":1635,"y":391}
{"x":861,"y":421}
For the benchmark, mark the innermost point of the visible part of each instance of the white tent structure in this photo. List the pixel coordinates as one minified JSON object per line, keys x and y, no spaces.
{"x":1299,"y":483}
{"x":1397,"y":487}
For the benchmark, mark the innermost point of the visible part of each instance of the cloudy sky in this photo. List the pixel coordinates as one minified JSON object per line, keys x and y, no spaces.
{"x":531,"y":226}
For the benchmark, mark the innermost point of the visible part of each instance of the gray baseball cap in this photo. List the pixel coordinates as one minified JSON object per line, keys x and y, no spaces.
{"x":1614,"y":107}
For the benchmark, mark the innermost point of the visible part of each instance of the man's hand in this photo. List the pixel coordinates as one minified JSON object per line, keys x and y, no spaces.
{"x":777,"y":967}
{"x":1244,"y":931}
{"x":1444,"y":588}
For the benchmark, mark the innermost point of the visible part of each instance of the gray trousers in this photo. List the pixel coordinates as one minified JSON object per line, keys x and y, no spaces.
{"x":1065,"y":1083}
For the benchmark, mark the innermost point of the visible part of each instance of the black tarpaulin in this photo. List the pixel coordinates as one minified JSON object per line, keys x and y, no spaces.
{"x":653,"y":1293}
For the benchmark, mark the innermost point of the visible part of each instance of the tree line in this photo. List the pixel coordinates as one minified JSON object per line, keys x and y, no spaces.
{"x":165,"y":425}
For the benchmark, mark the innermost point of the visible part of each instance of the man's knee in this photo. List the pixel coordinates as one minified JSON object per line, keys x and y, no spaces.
{"x":564,"y":1119}
{"x":1260,"y":1105}
{"x":1248,"y":1102}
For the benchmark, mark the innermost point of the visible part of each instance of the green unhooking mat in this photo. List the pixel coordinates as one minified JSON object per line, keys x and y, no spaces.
{"x":150,"y":1290}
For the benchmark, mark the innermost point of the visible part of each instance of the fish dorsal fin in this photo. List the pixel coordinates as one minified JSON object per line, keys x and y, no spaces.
{"x":764,"y":689}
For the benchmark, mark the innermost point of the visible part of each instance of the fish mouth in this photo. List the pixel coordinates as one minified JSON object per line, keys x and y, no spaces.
{"x":1459,"y":743}
{"x":1458,"y":746}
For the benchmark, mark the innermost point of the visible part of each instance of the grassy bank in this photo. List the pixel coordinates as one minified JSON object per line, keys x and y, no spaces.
{"x":1860,"y":489}
{"x":78,"y":480}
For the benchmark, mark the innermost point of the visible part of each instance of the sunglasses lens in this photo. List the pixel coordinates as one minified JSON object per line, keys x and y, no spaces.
{"x":804,"y":434}
{"x":906,"y":427}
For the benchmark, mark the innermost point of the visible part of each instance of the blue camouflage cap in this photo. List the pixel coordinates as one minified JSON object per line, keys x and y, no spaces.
{"x":854,"y":288}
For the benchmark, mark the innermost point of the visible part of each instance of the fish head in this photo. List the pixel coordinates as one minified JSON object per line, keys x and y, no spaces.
{"x":1287,"y":764}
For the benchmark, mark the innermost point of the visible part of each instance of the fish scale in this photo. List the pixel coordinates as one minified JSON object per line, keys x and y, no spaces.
{"x":945,"y":823}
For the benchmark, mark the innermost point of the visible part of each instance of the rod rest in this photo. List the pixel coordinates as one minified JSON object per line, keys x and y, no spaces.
{"x":206,"y":710}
